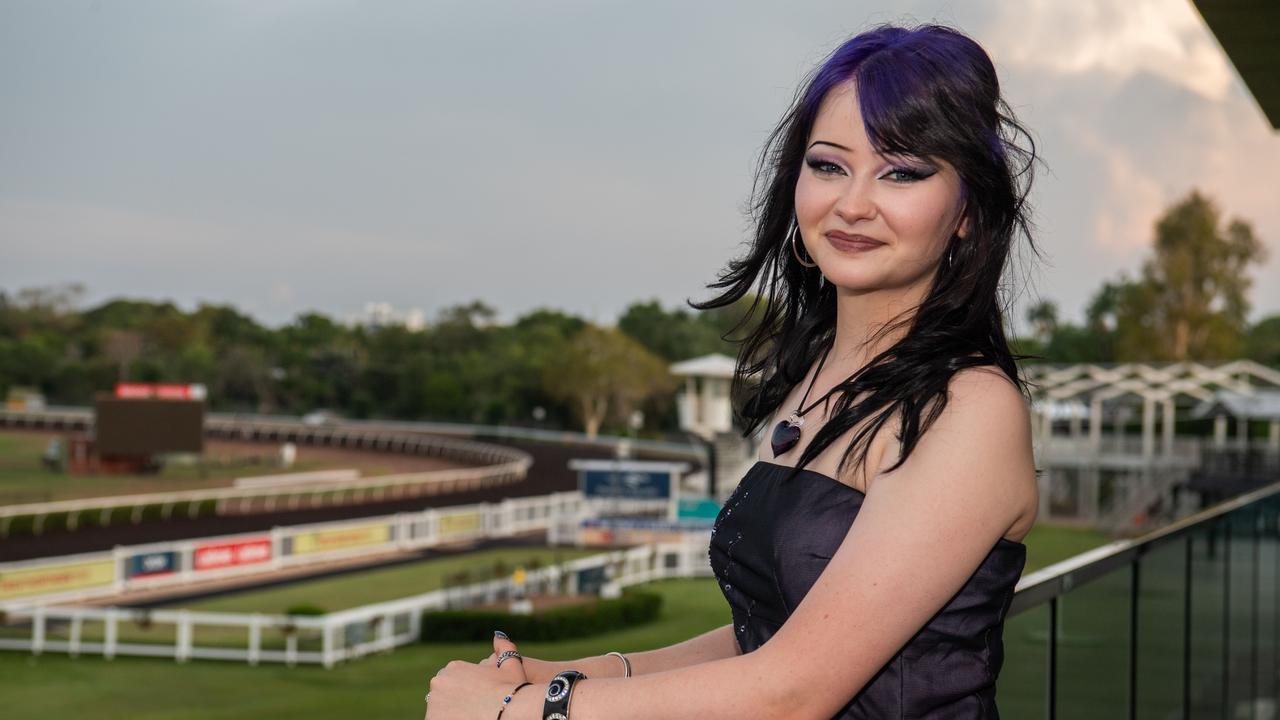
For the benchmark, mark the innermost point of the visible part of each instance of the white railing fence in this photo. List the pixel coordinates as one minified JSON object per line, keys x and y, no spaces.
{"x":72,"y":578}
{"x":326,"y":639}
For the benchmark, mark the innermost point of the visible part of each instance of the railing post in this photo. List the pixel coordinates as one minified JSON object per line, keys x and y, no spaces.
{"x":1052,"y":658}
{"x":1134,"y":574}
{"x":326,"y":652}
{"x":37,"y":630}
{"x":1186,"y":628}
{"x":73,"y":647}
{"x":1226,"y":615}
{"x":384,"y":631}
{"x":1253,"y":630}
{"x":183,"y":650}
{"x":255,"y":638}
{"x":110,"y":629}
{"x":1275,"y":597}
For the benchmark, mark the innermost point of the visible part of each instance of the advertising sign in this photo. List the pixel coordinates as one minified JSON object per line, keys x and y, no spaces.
{"x":152,"y":563}
{"x":697,"y":508}
{"x":56,"y":578}
{"x":222,"y":555}
{"x":459,"y":524}
{"x":626,"y":479}
{"x":163,"y":391}
{"x":634,"y":531}
{"x":341,"y":538}
{"x":146,"y":426}
{"x":633,"y":484}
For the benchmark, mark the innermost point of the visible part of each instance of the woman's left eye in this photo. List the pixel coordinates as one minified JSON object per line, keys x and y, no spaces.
{"x":908,"y":175}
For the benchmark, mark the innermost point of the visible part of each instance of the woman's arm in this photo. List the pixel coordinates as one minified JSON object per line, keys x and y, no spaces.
{"x":919,"y":536}
{"x":711,"y":645}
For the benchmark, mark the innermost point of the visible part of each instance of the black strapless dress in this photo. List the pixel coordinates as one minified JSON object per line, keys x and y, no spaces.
{"x":773,"y":538}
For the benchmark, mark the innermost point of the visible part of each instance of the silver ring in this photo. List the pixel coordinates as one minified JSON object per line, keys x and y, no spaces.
{"x":508,"y":654}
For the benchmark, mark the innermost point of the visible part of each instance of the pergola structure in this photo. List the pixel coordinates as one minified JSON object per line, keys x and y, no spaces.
{"x":1086,"y":391}
{"x":1112,"y":480}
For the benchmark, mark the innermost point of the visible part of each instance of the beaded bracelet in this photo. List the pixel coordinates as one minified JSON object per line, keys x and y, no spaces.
{"x":507,"y":700}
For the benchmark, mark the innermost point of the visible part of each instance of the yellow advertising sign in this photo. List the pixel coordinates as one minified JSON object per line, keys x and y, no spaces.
{"x":341,"y":539}
{"x":459,"y":523}
{"x":56,"y":578}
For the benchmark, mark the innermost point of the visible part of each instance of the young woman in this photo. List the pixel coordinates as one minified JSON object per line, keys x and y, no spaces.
{"x":870,"y":555}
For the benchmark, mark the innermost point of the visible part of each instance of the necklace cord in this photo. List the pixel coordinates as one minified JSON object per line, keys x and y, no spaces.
{"x":801,"y":409}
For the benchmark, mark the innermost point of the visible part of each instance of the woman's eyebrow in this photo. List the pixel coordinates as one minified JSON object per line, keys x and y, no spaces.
{"x":824,"y":142}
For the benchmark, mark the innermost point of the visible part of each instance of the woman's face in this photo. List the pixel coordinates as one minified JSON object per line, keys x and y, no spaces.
{"x":910,"y":205}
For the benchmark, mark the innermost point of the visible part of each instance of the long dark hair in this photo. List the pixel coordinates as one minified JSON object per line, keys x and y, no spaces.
{"x":928,"y":91}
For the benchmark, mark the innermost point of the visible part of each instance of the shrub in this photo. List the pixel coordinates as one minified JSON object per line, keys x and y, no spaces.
{"x":635,"y":607}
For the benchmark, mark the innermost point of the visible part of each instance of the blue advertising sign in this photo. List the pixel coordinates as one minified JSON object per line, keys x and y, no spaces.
{"x":153,"y":563}
{"x":632,"y":484}
{"x":627,"y":479}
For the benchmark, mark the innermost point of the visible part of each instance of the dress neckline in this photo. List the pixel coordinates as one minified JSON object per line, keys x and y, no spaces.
{"x":853,"y":489}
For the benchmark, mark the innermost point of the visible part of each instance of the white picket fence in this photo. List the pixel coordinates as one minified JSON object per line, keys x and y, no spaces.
{"x":324,"y":640}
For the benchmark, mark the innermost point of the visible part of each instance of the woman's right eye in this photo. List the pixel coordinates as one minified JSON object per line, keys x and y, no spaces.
{"x":823,"y":167}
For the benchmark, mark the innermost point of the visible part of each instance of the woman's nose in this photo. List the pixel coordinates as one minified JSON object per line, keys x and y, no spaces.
{"x":856,"y":203}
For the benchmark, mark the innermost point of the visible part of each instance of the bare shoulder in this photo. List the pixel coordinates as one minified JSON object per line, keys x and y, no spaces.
{"x":987,"y":383}
{"x":982,"y":438}
{"x":987,"y":415}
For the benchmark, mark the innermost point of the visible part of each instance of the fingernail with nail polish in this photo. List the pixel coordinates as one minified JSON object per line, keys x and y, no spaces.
{"x":499,"y":633}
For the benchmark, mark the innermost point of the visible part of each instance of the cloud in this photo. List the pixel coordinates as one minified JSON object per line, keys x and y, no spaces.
{"x":1114,"y":40}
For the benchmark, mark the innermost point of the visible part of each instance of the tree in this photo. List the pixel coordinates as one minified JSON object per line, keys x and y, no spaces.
{"x":604,"y":370}
{"x":1190,"y":302}
{"x":1262,"y":344}
{"x":1043,"y":317}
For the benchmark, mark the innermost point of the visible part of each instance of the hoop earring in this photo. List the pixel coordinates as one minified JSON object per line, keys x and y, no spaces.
{"x":950,"y":251}
{"x":795,"y":230}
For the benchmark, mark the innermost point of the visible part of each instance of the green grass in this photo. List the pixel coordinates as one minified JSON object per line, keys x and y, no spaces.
{"x":1094,"y":630}
{"x":352,"y":590}
{"x":24,"y":480}
{"x":391,"y":686}
{"x":1048,"y":544}
{"x":386,"y":686}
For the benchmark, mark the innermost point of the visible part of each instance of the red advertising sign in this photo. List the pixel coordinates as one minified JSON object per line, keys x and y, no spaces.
{"x":245,"y":552}
{"x":161,"y":391}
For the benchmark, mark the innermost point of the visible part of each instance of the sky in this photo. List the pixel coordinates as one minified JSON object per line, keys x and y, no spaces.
{"x":286,"y":157}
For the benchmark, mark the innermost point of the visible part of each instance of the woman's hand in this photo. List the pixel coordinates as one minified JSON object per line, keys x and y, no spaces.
{"x":466,"y":691}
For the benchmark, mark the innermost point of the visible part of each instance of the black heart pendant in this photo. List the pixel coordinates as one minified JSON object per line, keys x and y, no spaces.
{"x":785,"y":436}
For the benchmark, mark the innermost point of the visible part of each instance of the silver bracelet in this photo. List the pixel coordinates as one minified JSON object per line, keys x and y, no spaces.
{"x":625,"y":662}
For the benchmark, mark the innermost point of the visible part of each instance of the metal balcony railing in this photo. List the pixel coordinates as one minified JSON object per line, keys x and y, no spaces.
{"x":1181,"y":623}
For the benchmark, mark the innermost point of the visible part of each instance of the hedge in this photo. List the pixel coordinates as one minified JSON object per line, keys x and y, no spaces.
{"x":634,"y":607}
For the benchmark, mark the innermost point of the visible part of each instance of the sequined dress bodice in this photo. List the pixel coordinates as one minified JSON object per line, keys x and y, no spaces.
{"x":773,"y":538}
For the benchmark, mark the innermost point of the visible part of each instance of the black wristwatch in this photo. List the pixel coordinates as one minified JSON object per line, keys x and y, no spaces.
{"x":556,"y":704}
